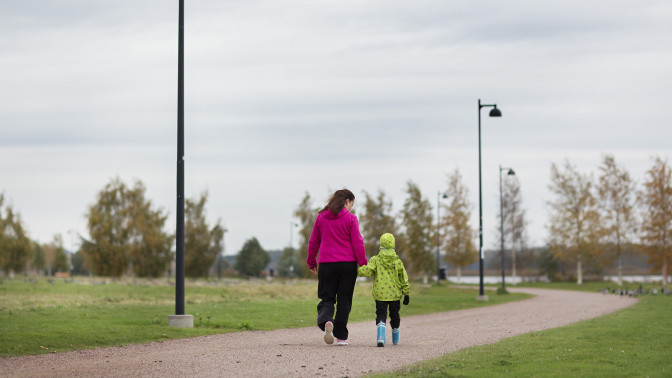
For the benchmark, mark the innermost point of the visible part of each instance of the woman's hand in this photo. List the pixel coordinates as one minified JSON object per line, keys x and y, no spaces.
{"x":314,"y":270}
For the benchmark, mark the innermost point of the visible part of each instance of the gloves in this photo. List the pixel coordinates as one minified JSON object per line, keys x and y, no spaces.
{"x":406,"y":299}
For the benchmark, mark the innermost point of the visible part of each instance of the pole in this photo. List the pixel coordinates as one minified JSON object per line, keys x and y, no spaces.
{"x":179,"y":236}
{"x":480,"y":209}
{"x":501,"y":226}
{"x":438,"y":228}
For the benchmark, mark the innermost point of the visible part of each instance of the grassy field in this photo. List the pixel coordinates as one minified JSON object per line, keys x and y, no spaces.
{"x":38,"y":316}
{"x":634,"y":342}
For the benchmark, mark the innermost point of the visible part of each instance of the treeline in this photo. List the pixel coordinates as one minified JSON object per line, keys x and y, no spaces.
{"x":127,"y":236}
{"x":593,"y":224}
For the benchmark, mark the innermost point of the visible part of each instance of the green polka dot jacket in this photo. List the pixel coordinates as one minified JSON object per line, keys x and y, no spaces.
{"x":390,"y":281}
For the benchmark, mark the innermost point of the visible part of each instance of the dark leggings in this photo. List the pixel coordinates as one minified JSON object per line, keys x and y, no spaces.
{"x":381,"y":312}
{"x":335,"y":287}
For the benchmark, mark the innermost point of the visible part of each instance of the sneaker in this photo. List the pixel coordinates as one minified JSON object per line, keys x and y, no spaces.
{"x":328,"y":332}
{"x":395,"y":336}
{"x":380,"y":339}
{"x":341,"y":342}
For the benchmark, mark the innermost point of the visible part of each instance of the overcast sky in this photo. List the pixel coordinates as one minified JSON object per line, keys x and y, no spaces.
{"x":284,"y":97}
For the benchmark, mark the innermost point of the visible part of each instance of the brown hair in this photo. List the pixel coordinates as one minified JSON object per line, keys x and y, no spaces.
{"x":337,"y":201}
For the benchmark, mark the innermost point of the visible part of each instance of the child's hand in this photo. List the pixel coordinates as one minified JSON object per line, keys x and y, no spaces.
{"x":406,"y":300}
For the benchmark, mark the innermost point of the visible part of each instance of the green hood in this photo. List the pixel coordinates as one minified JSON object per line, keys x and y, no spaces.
{"x":387,"y":257}
{"x":387,"y":241}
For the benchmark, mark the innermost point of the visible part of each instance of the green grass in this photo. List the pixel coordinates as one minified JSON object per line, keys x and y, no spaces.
{"x":44,"y":317}
{"x":633,"y":342}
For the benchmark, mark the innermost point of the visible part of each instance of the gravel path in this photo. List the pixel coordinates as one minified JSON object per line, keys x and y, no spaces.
{"x":301,"y":352}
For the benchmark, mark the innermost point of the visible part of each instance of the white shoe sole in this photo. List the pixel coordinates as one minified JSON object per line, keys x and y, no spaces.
{"x":328,"y":333}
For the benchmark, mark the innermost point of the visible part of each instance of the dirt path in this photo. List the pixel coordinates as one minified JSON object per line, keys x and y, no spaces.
{"x":302,"y":352}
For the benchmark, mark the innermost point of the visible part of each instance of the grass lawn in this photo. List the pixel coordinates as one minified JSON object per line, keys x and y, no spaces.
{"x":633,"y":342}
{"x":42,"y":317}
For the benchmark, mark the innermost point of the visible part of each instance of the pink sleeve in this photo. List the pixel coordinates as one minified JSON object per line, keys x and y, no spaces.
{"x":357,"y":242}
{"x":314,"y":245}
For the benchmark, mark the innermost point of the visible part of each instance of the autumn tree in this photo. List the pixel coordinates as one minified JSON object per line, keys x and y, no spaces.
{"x":574,"y":219}
{"x":458,"y":235}
{"x":15,"y":246}
{"x":656,"y":202}
{"x":252,"y":259}
{"x":306,"y":215}
{"x":419,"y":234}
{"x":616,"y":199}
{"x":126,"y":233}
{"x":201,"y":241}
{"x":376,"y":220}
{"x":514,"y":221}
{"x":38,"y":263}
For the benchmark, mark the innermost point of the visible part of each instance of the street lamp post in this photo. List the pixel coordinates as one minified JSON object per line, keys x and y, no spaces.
{"x":438,"y":231}
{"x":179,"y":319}
{"x":501,"y":219}
{"x":493,"y":113}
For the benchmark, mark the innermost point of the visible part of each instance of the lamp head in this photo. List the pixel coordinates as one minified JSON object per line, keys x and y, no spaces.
{"x":495,"y":112}
{"x":511,"y":172}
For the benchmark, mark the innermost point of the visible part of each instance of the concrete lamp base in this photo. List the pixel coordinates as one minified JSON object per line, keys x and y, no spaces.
{"x":181,"y":321}
{"x":483,"y":298}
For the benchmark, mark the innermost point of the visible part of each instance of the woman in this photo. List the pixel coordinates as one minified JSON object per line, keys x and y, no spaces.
{"x":341,"y":250}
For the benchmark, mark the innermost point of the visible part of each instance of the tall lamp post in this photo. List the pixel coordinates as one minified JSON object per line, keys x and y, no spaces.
{"x":493,"y":113}
{"x":438,"y":231}
{"x":501,"y":219}
{"x":179,"y":319}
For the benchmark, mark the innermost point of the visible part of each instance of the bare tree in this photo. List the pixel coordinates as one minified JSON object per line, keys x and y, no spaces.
{"x":574,"y":220}
{"x":656,"y":202}
{"x":515,"y":221}
{"x":376,"y":220}
{"x":459,"y":236}
{"x":419,"y":233}
{"x":616,"y":204}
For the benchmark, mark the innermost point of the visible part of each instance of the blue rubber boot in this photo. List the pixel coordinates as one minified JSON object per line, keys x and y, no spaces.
{"x":381,"y":334}
{"x":395,"y":336}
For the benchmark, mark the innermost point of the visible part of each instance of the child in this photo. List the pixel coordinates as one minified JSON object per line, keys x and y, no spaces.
{"x":390,"y":283}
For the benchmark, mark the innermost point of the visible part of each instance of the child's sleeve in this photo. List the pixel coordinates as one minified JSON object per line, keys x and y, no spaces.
{"x":403,"y":280}
{"x":369,"y":269}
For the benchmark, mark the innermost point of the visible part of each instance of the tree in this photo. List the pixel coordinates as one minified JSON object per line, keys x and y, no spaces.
{"x":574,"y":219}
{"x":201,"y":242}
{"x":38,"y":263}
{"x":78,"y":264}
{"x":515,"y":221}
{"x":306,"y":214}
{"x":289,"y":257}
{"x":376,"y":220}
{"x":252,"y":259}
{"x":15,"y":246}
{"x":656,"y":203}
{"x":418,"y":233}
{"x":458,"y":239}
{"x":616,"y":195}
{"x":126,"y":233}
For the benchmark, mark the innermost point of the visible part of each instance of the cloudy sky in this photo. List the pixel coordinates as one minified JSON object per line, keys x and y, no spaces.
{"x":284,"y":97}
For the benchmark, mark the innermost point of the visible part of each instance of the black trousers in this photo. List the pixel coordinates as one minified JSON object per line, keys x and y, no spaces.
{"x":335,"y":287}
{"x":381,"y":312}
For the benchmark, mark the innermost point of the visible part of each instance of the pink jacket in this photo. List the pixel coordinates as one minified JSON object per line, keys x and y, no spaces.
{"x":337,"y":238}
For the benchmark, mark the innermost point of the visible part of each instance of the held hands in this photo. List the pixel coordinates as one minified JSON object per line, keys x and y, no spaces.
{"x":406,"y":300}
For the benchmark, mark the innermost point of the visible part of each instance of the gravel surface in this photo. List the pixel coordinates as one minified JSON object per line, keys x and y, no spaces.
{"x":301,"y":352}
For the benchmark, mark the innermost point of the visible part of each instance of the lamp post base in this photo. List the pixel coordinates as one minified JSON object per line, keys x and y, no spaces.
{"x":181,"y":321}
{"x":483,"y":298}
